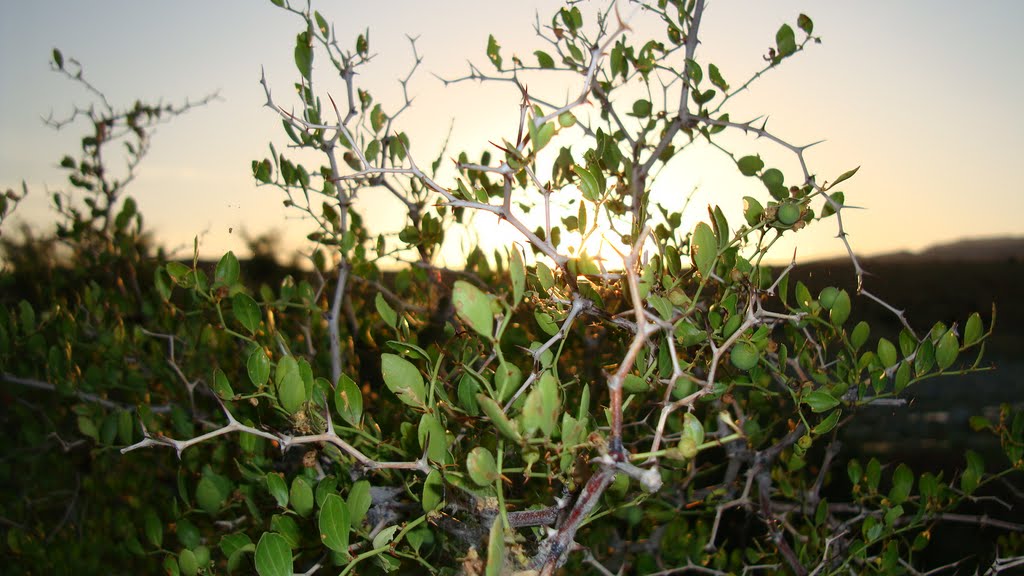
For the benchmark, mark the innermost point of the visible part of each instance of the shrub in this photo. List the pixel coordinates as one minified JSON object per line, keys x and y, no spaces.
{"x":538,"y":408}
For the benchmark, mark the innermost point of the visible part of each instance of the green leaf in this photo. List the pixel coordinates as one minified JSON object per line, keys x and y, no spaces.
{"x":507,"y":378}
{"x":348,"y":400}
{"x":432,"y":436}
{"x":334,"y":523}
{"x":542,"y":407}
{"x":301,"y":496}
{"x":843,"y":177}
{"x":403,"y":379}
{"x":908,"y":343}
{"x":854,"y":471}
{"x":209,"y":495}
{"x":542,"y":134}
{"x":227,"y":270}
{"x":703,"y":248}
{"x":805,"y":23}
{"x":588,"y":184}
{"x":246,"y":311}
{"x":258,"y":366}
{"x":925,"y":358}
{"x":58,"y":59}
{"x":187,"y":562}
{"x":517,"y":270}
{"x":827,"y":297}
{"x":493,"y":52}
{"x":501,"y":422}
{"x":188,"y":533}
{"x":820,"y":401}
{"x":860,"y":334}
{"x":642,"y":108}
{"x":291,"y":391}
{"x":886,"y":353}
{"x":891,"y":515}
{"x":262,"y":171}
{"x":785,"y":41}
{"x":902,"y":377}
{"x":304,"y":55}
{"x":384,"y":537}
{"x":481,"y":466}
{"x":154,"y":528}
{"x":902,"y":482}
{"x":358,"y":502}
{"x":495,"y":549}
{"x":545,"y":277}
{"x":221,"y":385}
{"x":321,"y":24}
{"x":752,"y":210}
{"x":828,"y":423}
{"x":387,"y":313}
{"x":473,"y":307}
{"x":377,"y":120}
{"x":774,"y":181}
{"x":278,"y":489}
{"x":874,"y":473}
{"x":721,"y":227}
{"x":288,"y":528}
{"x":178,"y":272}
{"x":325,"y":486}
{"x":273,"y":556}
{"x":433,"y":491}
{"x":972,"y":476}
{"x":973,"y":331}
{"x":828,"y":208}
{"x":716,"y":78}
{"x":840,"y":308}
{"x":750,"y":165}
{"x":947,"y":350}
{"x":544,"y":60}
{"x":161,"y":283}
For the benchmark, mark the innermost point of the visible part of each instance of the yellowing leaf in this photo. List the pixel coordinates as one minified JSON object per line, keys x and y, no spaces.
{"x":473,"y":307}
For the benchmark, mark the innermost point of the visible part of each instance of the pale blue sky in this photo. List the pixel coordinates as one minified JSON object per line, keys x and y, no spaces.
{"x":923,"y":94}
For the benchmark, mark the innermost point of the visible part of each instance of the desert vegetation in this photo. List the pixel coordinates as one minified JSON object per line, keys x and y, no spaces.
{"x":543,"y":409}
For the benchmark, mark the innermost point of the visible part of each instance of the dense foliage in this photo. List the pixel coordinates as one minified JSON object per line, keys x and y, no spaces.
{"x":539,"y":408}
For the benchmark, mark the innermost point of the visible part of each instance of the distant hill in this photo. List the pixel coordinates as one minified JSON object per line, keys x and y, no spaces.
{"x":945,"y":282}
{"x":1001,"y":249}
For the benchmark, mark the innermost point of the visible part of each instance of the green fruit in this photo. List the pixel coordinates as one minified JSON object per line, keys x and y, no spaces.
{"x":788,"y":213}
{"x":744,"y":355}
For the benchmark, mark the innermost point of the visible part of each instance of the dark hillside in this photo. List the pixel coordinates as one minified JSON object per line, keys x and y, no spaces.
{"x":944,"y":283}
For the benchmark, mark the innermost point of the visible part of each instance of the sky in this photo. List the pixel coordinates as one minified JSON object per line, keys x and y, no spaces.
{"x":921,"y":94}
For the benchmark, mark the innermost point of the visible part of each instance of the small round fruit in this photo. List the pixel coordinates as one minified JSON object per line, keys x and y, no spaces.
{"x":744,"y":355}
{"x":788,"y":213}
